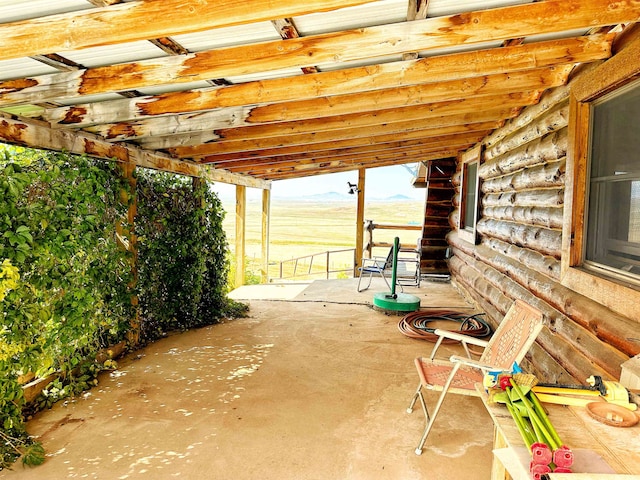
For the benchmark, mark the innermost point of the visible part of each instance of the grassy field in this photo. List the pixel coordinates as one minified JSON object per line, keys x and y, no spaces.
{"x":304,"y":228}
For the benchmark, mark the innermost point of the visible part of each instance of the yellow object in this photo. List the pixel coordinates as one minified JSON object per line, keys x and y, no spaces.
{"x":616,"y":394}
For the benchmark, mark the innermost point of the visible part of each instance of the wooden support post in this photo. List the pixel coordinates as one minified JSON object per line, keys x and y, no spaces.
{"x":127,"y":238}
{"x":241,"y":204}
{"x":266,"y":217}
{"x":359,"y":221}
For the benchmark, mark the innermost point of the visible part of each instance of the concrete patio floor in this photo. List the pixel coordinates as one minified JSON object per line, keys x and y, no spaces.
{"x":313,"y":387}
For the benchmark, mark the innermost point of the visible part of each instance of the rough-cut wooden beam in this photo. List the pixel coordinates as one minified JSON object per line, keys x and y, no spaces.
{"x":372,"y":141}
{"x":397,"y":149}
{"x":375,"y":118}
{"x":286,"y":29}
{"x":349,"y":132}
{"x":38,"y":135}
{"x":266,"y":169}
{"x":59,"y":62}
{"x":337,"y":168}
{"x":539,"y":79}
{"x":169,"y":46}
{"x":416,"y":10}
{"x":144,"y":20}
{"x":396,"y":74}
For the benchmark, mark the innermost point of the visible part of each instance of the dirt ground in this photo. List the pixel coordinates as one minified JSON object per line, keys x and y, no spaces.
{"x":313,"y":385}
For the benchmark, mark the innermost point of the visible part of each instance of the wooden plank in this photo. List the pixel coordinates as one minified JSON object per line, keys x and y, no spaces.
{"x":378,"y":122}
{"x":333,"y":164}
{"x":371,"y":141}
{"x":436,"y":144}
{"x":610,"y":75}
{"x":413,"y":123}
{"x":321,"y":169}
{"x":38,"y":135}
{"x":266,"y":220}
{"x":359,"y":252}
{"x":373,"y":77}
{"x":241,"y":209}
{"x":111,"y":115}
{"x":144,"y":20}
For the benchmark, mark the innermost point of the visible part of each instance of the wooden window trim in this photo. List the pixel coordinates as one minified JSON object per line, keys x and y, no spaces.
{"x":591,"y":85}
{"x":474,"y":155}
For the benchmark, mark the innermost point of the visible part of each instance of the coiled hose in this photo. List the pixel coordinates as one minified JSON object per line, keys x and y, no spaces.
{"x":415,"y":324}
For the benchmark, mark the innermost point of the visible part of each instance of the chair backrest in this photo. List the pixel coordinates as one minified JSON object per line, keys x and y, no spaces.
{"x":388,"y":263}
{"x":514,"y":336}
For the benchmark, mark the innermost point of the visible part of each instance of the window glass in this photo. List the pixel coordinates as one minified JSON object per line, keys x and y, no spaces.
{"x":471,"y":175}
{"x":613,"y":220}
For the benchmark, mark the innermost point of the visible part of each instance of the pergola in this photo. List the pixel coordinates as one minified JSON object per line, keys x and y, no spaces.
{"x":255,"y":92}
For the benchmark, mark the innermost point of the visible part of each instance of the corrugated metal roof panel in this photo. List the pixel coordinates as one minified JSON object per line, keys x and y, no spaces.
{"x":175,"y":87}
{"x":228,"y":36}
{"x":376,"y":13}
{"x":555,"y":36}
{"x":438,"y":8}
{"x":361,"y":63}
{"x":459,"y":48}
{"x":15,"y":10}
{"x":252,"y":77}
{"x":112,"y":54}
{"x":89,"y":99}
{"x":23,"y":67}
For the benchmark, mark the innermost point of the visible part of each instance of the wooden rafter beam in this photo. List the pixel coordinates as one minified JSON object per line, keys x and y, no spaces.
{"x":490,"y":85}
{"x":189,"y":68}
{"x":374,"y":141}
{"x":144,"y":20}
{"x":288,"y":173}
{"x":350,"y":126}
{"x":351,"y":130}
{"x":39,"y":135}
{"x":450,"y":142}
{"x":286,"y":29}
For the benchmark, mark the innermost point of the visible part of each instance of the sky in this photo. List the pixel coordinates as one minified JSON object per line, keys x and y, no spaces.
{"x":380,"y":182}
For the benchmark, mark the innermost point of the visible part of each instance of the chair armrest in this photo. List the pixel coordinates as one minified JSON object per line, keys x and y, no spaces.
{"x":460,"y":337}
{"x":470,"y":362}
{"x":377,"y":261}
{"x":464,"y":339}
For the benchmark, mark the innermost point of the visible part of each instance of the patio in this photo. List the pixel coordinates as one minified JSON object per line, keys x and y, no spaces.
{"x":313,"y":385}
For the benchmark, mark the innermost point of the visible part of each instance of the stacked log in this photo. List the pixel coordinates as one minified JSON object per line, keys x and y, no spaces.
{"x":518,"y":256}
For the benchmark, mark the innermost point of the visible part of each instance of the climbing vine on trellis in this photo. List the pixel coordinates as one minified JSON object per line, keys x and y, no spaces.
{"x":182,"y":255}
{"x":63,"y":292}
{"x":66,"y":278}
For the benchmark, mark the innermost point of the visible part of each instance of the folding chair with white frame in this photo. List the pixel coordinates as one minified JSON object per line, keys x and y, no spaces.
{"x":376,"y":266}
{"x":508,"y":345}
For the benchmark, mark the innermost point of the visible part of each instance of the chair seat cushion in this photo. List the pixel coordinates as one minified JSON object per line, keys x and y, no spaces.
{"x":433,"y":375}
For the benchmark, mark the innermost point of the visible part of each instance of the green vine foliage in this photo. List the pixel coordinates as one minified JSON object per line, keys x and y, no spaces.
{"x":67,"y":278}
{"x":182,"y":255}
{"x":63,"y":282}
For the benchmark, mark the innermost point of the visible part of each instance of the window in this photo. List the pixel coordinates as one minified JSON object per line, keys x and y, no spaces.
{"x":600,"y":237}
{"x":469,"y":194}
{"x":612,"y":242}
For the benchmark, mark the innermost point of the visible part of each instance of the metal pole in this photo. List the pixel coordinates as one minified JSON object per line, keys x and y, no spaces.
{"x":396,"y":243}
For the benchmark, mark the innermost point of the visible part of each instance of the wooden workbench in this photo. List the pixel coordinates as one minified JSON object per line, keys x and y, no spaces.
{"x":597,"y":448}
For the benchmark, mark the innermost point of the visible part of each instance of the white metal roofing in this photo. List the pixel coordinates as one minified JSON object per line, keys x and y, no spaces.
{"x":376,"y":13}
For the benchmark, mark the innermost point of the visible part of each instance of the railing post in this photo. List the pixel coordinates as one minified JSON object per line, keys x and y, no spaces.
{"x":370,"y":226}
{"x":328,"y":264}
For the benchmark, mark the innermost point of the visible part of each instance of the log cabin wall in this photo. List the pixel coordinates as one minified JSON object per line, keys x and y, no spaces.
{"x":518,"y":252}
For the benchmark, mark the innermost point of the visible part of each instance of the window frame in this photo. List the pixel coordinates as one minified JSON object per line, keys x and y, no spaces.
{"x":591,"y":85}
{"x":470,"y":157}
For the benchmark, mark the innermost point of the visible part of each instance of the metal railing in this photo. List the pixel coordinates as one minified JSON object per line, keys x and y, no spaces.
{"x":320,"y":263}
{"x":370,"y":226}
{"x":313,"y":265}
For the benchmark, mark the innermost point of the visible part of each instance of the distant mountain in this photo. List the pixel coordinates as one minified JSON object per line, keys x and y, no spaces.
{"x":398,"y":198}
{"x":341,"y":197}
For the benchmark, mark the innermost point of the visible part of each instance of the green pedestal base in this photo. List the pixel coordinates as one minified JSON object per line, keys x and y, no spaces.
{"x":403,"y":302}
